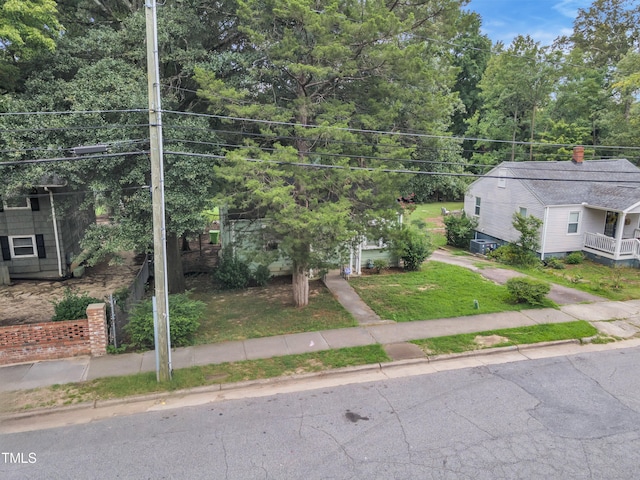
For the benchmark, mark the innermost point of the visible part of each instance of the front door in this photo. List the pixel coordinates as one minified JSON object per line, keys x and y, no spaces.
{"x":611,"y":223}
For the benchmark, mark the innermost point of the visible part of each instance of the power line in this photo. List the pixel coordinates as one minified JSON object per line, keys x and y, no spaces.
{"x":71,"y":159}
{"x":367,"y":157}
{"x":74,"y":112}
{"x":400,"y":171}
{"x":386,"y":132}
{"x":68,"y":149}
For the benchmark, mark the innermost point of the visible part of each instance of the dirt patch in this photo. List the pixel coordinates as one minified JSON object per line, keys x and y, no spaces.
{"x":45,"y":397}
{"x":31,"y":301}
{"x":489,"y":340}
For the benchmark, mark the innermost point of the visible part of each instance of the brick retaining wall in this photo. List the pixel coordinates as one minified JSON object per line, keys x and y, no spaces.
{"x":51,"y":340}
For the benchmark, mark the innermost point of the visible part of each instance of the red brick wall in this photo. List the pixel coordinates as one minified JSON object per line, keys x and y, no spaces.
{"x":51,"y":340}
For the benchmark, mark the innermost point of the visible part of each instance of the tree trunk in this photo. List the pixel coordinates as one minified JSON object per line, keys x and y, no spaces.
{"x":175,"y":272}
{"x":185,"y":244}
{"x":300,"y":288}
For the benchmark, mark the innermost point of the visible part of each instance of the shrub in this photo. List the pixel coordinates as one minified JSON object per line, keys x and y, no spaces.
{"x":380,"y":264}
{"x":232,"y":273}
{"x":412,"y":246}
{"x":459,"y":230}
{"x":554,"y":263}
{"x":184,"y":316}
{"x":574,"y":258}
{"x":261,"y":275}
{"x":73,"y":306}
{"x":527,"y":290}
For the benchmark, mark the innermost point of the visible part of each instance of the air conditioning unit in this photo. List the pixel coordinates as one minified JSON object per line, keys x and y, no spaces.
{"x":482,"y":246}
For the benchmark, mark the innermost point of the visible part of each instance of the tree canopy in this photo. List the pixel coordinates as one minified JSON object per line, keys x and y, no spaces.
{"x":317,"y":114}
{"x":325,"y":80}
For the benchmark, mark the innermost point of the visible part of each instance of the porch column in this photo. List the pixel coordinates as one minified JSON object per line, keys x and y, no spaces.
{"x":619,"y":232}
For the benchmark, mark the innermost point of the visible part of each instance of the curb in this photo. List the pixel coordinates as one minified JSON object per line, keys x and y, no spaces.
{"x":219,"y":387}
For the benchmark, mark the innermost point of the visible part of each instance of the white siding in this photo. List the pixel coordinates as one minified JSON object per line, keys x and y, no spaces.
{"x":558,"y":239}
{"x":498,"y":205}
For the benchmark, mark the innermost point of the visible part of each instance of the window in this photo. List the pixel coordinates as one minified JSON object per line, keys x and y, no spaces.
{"x":23,"y":246}
{"x":523,"y":211}
{"x":16,"y":203}
{"x":574,"y":220}
{"x":477,"y":209}
{"x":502,"y":181}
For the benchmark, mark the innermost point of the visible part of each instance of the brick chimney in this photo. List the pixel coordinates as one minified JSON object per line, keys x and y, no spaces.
{"x":578,"y":155}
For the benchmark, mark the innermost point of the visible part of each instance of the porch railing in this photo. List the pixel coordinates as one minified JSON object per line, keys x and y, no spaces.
{"x":597,"y":241}
{"x":603,"y":243}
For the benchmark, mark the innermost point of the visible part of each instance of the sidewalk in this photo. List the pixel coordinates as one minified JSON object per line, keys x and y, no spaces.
{"x":621,"y":319}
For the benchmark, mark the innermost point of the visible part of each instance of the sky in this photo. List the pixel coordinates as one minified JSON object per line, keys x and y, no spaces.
{"x":543,"y":20}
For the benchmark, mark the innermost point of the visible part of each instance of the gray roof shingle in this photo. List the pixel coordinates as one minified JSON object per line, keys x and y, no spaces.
{"x":611,"y":184}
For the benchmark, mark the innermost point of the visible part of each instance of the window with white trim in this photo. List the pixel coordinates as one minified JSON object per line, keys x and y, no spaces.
{"x":16,"y":203}
{"x":574,"y":222}
{"x":523,"y":211}
{"x":22,"y":247}
{"x":476,"y":211}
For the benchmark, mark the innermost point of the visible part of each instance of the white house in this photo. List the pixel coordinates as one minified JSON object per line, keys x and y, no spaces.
{"x":589,"y":206}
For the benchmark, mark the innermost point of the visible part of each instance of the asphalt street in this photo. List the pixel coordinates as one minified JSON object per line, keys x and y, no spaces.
{"x":567,"y":417}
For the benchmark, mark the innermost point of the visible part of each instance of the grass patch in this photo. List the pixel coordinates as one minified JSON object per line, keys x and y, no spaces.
{"x":614,"y":283}
{"x":511,"y":336}
{"x":426,"y":211}
{"x":145,"y":383}
{"x":437,"y":291}
{"x":268,"y":311}
{"x":431,"y":215}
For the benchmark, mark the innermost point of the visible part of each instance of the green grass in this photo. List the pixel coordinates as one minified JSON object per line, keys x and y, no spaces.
{"x":513,"y":336}
{"x":431,"y":215}
{"x":437,"y":291}
{"x":263,"y":312}
{"x":425,"y":211}
{"x":614,"y":283}
{"x":145,"y":383}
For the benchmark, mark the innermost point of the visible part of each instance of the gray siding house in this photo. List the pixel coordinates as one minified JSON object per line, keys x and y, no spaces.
{"x":589,"y":206}
{"x":40,"y":232}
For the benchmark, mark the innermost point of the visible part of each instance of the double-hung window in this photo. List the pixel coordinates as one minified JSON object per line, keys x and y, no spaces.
{"x":22,"y":247}
{"x":574,"y":222}
{"x":477,"y":209}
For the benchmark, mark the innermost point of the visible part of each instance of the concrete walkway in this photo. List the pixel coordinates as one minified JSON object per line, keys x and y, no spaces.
{"x":621,"y":319}
{"x":349,"y":299}
{"x":559,"y":294}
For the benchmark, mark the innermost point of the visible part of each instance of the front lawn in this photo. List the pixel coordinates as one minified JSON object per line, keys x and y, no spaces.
{"x":263,"y":312}
{"x":614,"y":283}
{"x":437,"y":291}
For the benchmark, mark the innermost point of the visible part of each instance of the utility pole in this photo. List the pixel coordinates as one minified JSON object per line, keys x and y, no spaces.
{"x":157,"y":194}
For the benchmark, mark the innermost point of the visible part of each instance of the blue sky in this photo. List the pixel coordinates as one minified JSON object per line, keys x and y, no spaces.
{"x":543,"y":20}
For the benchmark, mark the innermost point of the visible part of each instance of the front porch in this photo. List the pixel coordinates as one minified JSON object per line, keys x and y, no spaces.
{"x":617,"y":250}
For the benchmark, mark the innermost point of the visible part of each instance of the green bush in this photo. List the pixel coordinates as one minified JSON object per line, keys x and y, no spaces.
{"x":512,"y":254}
{"x":527,"y":290}
{"x":73,"y":306}
{"x":261,"y":275}
{"x":459,"y":230}
{"x":232,"y":273}
{"x":184,"y":316}
{"x":554,"y":263}
{"x":574,"y":258}
{"x":411,"y":245}
{"x":380,"y":264}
